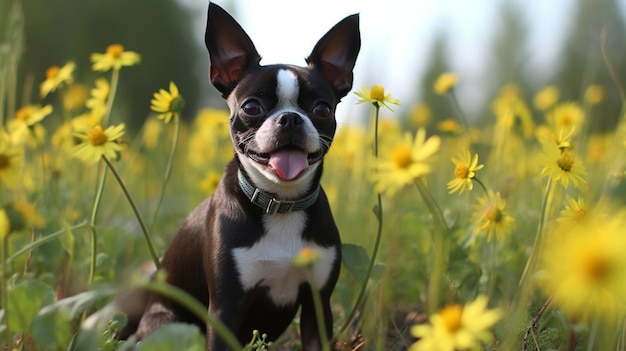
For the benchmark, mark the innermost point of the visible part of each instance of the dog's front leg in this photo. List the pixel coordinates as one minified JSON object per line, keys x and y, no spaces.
{"x":310,"y":334}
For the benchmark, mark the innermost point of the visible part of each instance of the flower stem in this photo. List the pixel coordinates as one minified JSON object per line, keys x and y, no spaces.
{"x":459,"y":110}
{"x":439,"y":232}
{"x":539,"y":236}
{"x":5,"y":289}
{"x":144,"y":229}
{"x":168,"y":169}
{"x":379,"y":216}
{"x":115,"y":77}
{"x":92,"y":224}
{"x":319,"y":313}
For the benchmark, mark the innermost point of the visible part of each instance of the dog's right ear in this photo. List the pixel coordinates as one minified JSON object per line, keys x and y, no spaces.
{"x":231,"y":50}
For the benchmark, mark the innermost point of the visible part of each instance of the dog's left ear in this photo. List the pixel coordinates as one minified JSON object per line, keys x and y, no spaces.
{"x":336,"y":52}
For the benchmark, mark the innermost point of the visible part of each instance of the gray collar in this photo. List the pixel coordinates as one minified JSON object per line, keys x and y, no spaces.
{"x":269,"y":203}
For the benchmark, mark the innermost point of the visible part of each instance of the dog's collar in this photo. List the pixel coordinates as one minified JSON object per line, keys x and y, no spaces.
{"x":269,"y":203}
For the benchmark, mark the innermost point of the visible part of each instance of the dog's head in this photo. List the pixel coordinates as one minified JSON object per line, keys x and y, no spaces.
{"x":282,"y":116}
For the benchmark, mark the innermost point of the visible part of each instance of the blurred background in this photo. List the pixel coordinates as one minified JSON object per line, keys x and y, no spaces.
{"x":406,"y":45}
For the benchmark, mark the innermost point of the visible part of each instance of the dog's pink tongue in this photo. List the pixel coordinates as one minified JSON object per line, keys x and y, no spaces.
{"x":288,"y":164}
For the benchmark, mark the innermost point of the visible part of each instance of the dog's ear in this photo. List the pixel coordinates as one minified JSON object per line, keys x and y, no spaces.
{"x":230,"y":49}
{"x":336,"y":52}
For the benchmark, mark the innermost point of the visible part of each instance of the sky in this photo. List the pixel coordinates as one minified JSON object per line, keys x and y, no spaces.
{"x":396,"y":36}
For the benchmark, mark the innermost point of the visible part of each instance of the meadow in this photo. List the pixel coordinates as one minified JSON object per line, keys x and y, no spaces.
{"x":508,"y":235}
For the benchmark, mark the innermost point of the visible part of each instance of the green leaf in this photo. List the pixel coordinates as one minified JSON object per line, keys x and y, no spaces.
{"x":93,"y":331}
{"x":174,"y":337}
{"x":356,"y":260}
{"x":25,"y":300}
{"x":52,"y":331}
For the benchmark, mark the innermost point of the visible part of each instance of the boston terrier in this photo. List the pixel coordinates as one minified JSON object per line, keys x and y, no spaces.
{"x":234,"y":252}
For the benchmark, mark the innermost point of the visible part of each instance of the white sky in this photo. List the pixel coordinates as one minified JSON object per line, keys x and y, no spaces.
{"x":396,"y":36}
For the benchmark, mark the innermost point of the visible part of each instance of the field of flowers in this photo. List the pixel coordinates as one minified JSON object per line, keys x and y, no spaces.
{"x":507,"y":236}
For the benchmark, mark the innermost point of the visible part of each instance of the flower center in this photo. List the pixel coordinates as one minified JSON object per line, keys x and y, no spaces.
{"x":452,"y":317}
{"x":566,"y":162}
{"x":565,"y":120}
{"x":115,"y":50}
{"x":22,"y":114}
{"x":461,"y":171}
{"x":96,"y":136}
{"x":401,"y":156}
{"x":596,"y":267}
{"x":52,"y":72}
{"x":377,"y":92}
{"x":493,"y":215}
{"x":5,"y":161}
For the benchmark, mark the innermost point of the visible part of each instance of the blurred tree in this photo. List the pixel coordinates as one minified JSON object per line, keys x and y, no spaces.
{"x":582,"y":61}
{"x":161,"y":31}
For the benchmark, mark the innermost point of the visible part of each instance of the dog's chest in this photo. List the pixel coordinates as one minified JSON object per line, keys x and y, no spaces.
{"x":269,"y":262}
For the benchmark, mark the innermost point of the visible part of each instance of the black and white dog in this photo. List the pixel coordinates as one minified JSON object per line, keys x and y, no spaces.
{"x":234,"y":251}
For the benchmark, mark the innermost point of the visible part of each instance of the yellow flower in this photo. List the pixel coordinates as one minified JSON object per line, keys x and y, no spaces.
{"x":306,"y":257}
{"x":420,"y":115}
{"x":98,"y":142}
{"x":210,"y":182}
{"x":449,"y":126}
{"x":32,"y":114}
{"x":115,"y":57}
{"x":74,"y":97}
{"x":464,"y":172}
{"x":11,"y":161}
{"x":561,"y":165}
{"x":594,"y":94}
{"x":584,"y":268}
{"x":408,"y":160}
{"x":376,"y":95}
{"x":492,"y":216}
{"x":167,"y":103}
{"x":5,"y":224}
{"x":445,"y":83}
{"x":151,"y":132}
{"x":29,"y":214}
{"x":546,"y":98}
{"x":98,"y":100}
{"x":574,"y":213}
{"x":457,"y":327}
{"x":566,"y":116}
{"x":57,"y":76}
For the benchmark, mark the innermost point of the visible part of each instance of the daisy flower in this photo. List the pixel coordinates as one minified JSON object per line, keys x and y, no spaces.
{"x":584,"y":268}
{"x":566,"y":116}
{"x":561,"y":165}
{"x":376,"y":95}
{"x":575,"y":211}
{"x":115,"y":57}
{"x":464,"y":172}
{"x":546,"y":98}
{"x":98,"y":142}
{"x":11,"y":161}
{"x":167,"y":103}
{"x":457,"y":327}
{"x":57,"y":76}
{"x":594,"y":94}
{"x":445,"y":83}
{"x":408,"y":160}
{"x":32,"y":114}
{"x":492,"y":216}
{"x":99,"y":95}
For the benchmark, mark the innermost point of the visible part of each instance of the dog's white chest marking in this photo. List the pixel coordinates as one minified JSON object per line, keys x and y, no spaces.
{"x":269,"y":261}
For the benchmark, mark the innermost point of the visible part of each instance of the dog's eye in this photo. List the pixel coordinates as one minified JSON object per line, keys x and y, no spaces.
{"x":252,"y":108}
{"x":322,"y":109}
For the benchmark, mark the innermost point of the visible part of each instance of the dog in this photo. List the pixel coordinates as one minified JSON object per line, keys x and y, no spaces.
{"x":234,"y":251}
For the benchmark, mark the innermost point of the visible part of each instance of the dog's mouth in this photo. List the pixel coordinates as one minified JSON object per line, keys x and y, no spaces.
{"x":288,"y":163}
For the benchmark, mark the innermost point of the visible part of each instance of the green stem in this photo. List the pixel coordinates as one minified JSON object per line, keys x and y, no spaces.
{"x":319,"y":313}
{"x":593,"y":334}
{"x":144,"y":229}
{"x":440,"y":229}
{"x":44,"y":239}
{"x":459,"y":110}
{"x":115,"y":77}
{"x":5,"y":289}
{"x":379,"y":231}
{"x":539,"y":236}
{"x":168,"y":169}
{"x":92,"y":224}
{"x":482,"y":185}
{"x":195,"y":307}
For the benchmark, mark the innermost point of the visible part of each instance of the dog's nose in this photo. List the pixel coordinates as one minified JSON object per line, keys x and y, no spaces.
{"x":289,"y":120}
